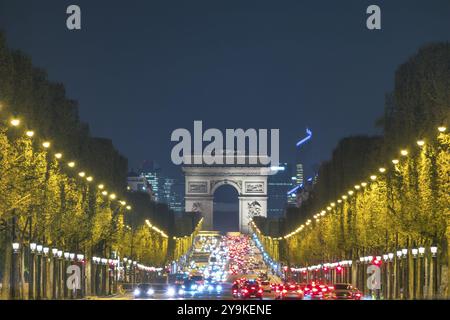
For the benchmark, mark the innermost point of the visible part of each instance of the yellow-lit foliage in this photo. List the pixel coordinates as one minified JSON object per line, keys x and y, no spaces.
{"x":408,"y":205}
{"x":52,"y":206}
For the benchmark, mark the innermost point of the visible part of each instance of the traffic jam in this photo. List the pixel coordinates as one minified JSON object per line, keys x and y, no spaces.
{"x":234,"y":267}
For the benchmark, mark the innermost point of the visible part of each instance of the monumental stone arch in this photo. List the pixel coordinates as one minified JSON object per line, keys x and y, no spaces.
{"x":250,"y":181}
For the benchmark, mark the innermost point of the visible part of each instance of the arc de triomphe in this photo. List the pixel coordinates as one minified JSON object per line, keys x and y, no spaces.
{"x":249,"y":181}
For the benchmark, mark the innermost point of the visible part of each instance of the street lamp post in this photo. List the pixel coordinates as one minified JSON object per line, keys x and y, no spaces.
{"x":391,"y":275}
{"x":80,"y":259}
{"x":60,"y":280}
{"x":434,"y":291}
{"x":421,"y":273}
{"x":31,"y":281}
{"x":399,"y":275}
{"x":55,"y":271}
{"x":39,"y":248}
{"x":45,"y":252}
{"x":65,"y":263}
{"x":414,"y":252}
{"x":15,"y":253}
{"x":405,"y":273}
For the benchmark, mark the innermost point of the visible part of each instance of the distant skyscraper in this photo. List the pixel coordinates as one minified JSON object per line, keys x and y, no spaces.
{"x":299,"y":173}
{"x":151,"y":171}
{"x":170,"y":194}
{"x":278,"y":186}
{"x":165,"y":190}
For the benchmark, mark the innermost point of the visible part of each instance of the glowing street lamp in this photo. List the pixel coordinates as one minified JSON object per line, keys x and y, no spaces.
{"x":373,"y":177}
{"x":16,"y":247}
{"x":395,"y":161}
{"x":15,"y":122}
{"x":112,"y":196}
{"x":54,"y":252}
{"x":404,"y":152}
{"x":101,"y":186}
{"x":58,"y":155}
{"x":66,"y":255}
{"x":46,"y":144}
{"x":33,"y":247}
{"x":46,"y":250}
{"x":382,"y":170}
{"x":30,"y":133}
{"x":39,"y":248}
{"x":391,"y":256}
{"x":404,"y":252}
{"x":421,"y":251}
{"x":433,"y":250}
{"x":442,"y":129}
{"x":89,"y":179}
{"x":82,"y":174}
{"x":415,"y":251}
{"x":71,"y":164}
{"x":420,"y":143}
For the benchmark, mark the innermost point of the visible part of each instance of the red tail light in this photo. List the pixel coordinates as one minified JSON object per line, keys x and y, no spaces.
{"x":331,"y":287}
{"x":260,"y":291}
{"x":358,"y":294}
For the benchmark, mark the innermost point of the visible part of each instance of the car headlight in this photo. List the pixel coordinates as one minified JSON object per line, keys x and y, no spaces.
{"x":210,"y":288}
{"x":150,"y":292}
{"x":200,"y":288}
{"x":171,"y":291}
{"x":181,"y":291}
{"x":219,"y":288}
{"x":194,"y":287}
{"x":137,"y":292}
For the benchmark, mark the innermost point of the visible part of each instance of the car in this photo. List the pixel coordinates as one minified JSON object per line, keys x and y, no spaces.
{"x":266,"y":286}
{"x":345,"y":291}
{"x":356,"y":294}
{"x":154,"y":290}
{"x":291,"y":291}
{"x":188,"y":288}
{"x":235,"y":290}
{"x":251,"y":289}
{"x":316,"y":291}
{"x":199,"y":280}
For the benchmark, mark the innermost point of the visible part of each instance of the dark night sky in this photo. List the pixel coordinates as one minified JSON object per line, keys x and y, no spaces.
{"x":141,"y":69}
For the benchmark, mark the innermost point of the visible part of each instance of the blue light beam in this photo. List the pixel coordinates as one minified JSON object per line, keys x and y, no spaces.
{"x":308,"y":136}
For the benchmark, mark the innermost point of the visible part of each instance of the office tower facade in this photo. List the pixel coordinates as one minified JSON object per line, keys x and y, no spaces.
{"x":278,"y":186}
{"x":299,"y":174}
